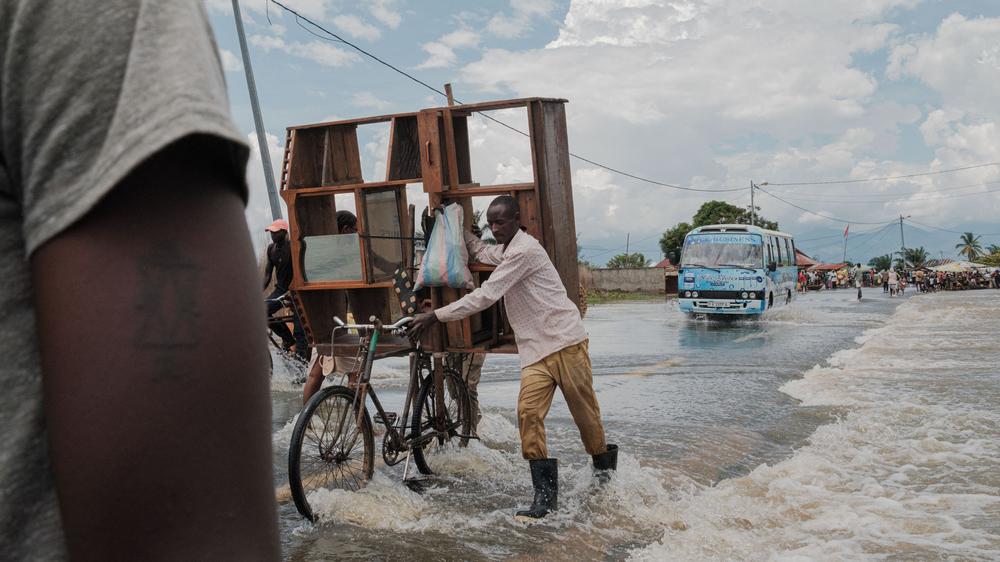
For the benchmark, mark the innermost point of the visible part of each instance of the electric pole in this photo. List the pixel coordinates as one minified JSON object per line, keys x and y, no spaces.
{"x":902,"y":243}
{"x":753,"y":208}
{"x":265,"y":155}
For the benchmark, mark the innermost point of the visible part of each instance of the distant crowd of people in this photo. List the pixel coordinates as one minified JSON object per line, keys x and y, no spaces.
{"x":895,"y":281}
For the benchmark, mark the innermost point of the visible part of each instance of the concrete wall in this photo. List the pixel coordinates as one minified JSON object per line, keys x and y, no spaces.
{"x":646,"y":279}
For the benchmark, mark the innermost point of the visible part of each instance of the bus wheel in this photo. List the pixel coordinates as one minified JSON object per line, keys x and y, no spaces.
{"x":770,"y":300}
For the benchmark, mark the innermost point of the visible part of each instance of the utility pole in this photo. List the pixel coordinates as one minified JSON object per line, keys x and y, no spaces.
{"x":626,"y":243}
{"x":753,"y":208}
{"x":902,"y":243}
{"x":265,"y":156}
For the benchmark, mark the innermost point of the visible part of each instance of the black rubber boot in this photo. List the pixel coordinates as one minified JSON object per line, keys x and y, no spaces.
{"x":604,"y":463}
{"x":545,"y":479}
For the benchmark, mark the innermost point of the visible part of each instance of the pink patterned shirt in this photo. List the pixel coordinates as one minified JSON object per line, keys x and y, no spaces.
{"x":542,"y":316}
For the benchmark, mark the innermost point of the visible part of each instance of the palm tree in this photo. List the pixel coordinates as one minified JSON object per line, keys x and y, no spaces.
{"x":993,"y":249}
{"x":914,"y":257}
{"x":969,"y":246}
{"x":881,"y":263}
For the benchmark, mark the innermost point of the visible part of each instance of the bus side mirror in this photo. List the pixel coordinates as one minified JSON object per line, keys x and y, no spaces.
{"x":772,"y":267}
{"x":672,"y":257}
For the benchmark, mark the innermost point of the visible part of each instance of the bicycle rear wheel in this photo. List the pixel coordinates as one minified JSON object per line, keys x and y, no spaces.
{"x":329,"y":448}
{"x":455,"y":424}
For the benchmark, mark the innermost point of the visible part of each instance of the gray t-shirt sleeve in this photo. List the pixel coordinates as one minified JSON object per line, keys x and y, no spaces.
{"x":92,"y":89}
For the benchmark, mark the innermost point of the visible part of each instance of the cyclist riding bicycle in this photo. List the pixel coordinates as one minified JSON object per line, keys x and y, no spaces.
{"x":279,"y":261}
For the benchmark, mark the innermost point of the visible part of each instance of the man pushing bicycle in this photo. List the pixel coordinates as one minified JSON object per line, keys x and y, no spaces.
{"x":551,"y":342}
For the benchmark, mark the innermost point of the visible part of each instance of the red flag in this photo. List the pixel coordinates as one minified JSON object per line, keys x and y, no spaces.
{"x":846,"y":229}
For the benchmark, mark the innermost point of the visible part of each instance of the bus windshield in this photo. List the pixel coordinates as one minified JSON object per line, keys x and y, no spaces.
{"x":722,"y":250}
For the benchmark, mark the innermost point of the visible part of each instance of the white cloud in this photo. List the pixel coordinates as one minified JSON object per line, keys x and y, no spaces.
{"x":657,"y":87}
{"x":519,"y":21}
{"x":959,"y":61}
{"x":383,"y":11}
{"x":230,"y":62}
{"x":258,"y":211}
{"x":441,"y":53}
{"x":356,"y":27}
{"x":505,"y":26}
{"x":370,"y":100}
{"x":461,"y":39}
{"x":316,"y":51}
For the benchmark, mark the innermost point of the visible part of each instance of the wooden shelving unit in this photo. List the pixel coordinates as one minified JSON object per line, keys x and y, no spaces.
{"x":431,"y":147}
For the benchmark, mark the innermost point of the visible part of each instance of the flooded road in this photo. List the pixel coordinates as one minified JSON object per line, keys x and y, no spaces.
{"x":827,"y":430}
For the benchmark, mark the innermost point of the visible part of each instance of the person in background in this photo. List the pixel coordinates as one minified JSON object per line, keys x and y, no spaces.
{"x":551,"y":341}
{"x":859,"y":276}
{"x":279,"y":265}
{"x":893,"y":280}
{"x":135,"y":419}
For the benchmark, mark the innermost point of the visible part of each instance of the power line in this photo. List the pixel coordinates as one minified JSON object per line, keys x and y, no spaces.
{"x":841,"y":235}
{"x":886,"y":178}
{"x":814,"y":212}
{"x":339,"y":39}
{"x":911,"y":196}
{"x":878,"y":235}
{"x":951,"y":231}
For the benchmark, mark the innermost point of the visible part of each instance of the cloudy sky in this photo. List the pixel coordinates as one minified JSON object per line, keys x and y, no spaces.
{"x":707,"y":94}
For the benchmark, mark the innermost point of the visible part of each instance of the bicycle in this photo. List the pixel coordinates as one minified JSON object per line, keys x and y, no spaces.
{"x":332,"y":444}
{"x":292,"y":362}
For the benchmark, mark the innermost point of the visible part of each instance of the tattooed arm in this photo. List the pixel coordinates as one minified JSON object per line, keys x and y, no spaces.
{"x":154,"y":369}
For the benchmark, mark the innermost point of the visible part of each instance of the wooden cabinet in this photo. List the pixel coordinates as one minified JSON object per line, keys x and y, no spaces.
{"x":334,"y":271}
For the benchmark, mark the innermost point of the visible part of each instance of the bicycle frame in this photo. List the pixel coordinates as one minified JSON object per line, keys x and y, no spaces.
{"x":397,"y":437}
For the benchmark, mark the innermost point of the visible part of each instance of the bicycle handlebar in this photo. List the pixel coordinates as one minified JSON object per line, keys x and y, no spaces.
{"x":399,"y":325}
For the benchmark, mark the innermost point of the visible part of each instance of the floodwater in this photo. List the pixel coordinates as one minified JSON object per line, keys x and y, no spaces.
{"x":829,"y":430}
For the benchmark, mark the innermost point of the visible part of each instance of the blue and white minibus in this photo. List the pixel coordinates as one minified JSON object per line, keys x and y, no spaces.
{"x":733,"y":269}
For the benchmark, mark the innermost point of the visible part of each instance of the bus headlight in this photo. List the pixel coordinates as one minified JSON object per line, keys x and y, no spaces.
{"x":687,"y":294}
{"x":753,"y":295}
{"x":744,"y":294}
{"x":694,"y":294}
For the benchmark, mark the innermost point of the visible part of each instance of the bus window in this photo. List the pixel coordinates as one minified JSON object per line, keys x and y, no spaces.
{"x":780,"y":258}
{"x":767,"y":251}
{"x":789,"y":254}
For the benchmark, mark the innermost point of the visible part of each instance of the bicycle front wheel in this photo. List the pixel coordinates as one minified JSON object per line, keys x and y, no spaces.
{"x":332,"y":447}
{"x":453,"y":426}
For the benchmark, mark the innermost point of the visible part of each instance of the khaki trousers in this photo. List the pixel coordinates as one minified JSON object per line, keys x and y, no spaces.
{"x":568,"y":369}
{"x":472,"y":369}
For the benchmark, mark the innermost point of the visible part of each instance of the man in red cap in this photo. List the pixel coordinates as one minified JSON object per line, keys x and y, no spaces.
{"x":279,"y":261}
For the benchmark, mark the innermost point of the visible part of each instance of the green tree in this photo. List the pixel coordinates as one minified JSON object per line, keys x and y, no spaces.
{"x":913,"y":257}
{"x":673,"y":239}
{"x":969,"y":246}
{"x":993,"y":249}
{"x":710,"y":212}
{"x":991,"y":260}
{"x":720,"y":212}
{"x":881,"y":263}
{"x":627,"y":261}
{"x":479,"y":227}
